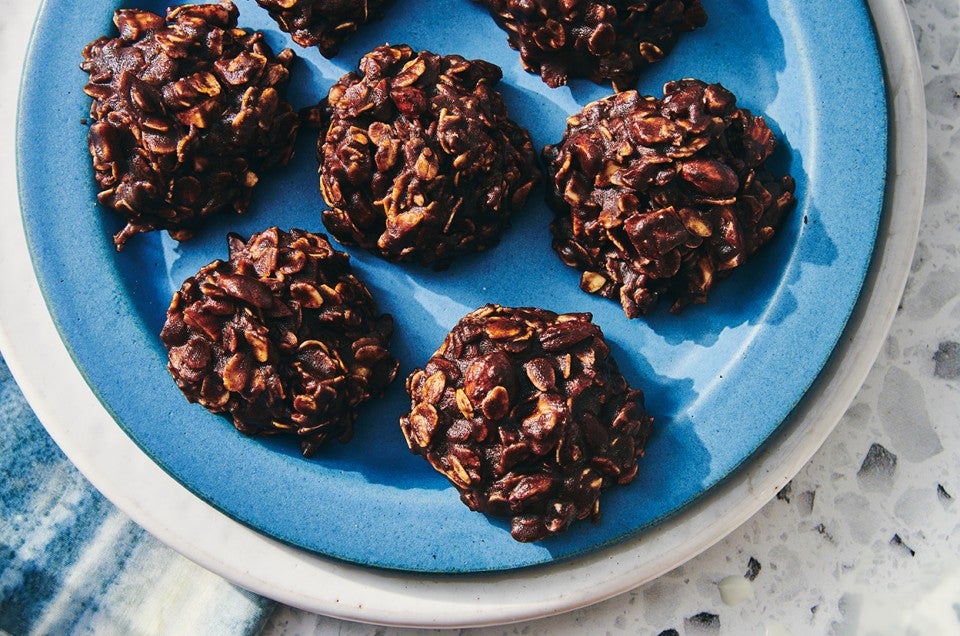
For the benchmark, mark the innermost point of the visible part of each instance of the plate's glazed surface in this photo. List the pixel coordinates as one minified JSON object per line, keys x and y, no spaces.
{"x":719,"y":378}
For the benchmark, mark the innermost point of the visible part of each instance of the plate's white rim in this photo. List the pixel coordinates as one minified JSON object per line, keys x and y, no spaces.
{"x":119,"y":469}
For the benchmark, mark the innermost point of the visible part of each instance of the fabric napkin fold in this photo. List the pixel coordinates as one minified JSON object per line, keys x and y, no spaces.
{"x":72,"y":563}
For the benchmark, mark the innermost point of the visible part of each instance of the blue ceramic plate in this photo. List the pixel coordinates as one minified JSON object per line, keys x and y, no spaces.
{"x":720,"y":378}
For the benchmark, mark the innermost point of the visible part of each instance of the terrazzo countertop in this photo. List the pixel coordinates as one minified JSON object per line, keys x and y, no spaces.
{"x":866,"y":539}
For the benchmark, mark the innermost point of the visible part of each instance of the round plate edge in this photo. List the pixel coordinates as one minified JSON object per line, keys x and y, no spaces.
{"x":862,"y":342}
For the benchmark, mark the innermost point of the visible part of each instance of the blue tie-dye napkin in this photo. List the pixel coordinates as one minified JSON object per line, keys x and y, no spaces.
{"x":71,"y":563}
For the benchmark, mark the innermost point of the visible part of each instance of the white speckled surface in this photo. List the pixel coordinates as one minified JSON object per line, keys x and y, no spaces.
{"x":866,"y":539}
{"x":828,"y":558}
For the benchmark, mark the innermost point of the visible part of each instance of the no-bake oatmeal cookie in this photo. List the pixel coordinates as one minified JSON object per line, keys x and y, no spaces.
{"x":663,"y":197}
{"x":325,"y":24}
{"x":188,"y":112}
{"x":603,"y":40}
{"x":282,"y":337}
{"x":528,"y":416}
{"x":420,"y":160}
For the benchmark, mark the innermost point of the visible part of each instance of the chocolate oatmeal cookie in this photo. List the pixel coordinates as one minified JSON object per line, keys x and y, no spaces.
{"x":605,"y":40}
{"x":527,"y":415}
{"x":188,"y":112}
{"x":663,"y":197}
{"x":282,"y":337}
{"x":420,"y":161}
{"x":325,"y":24}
